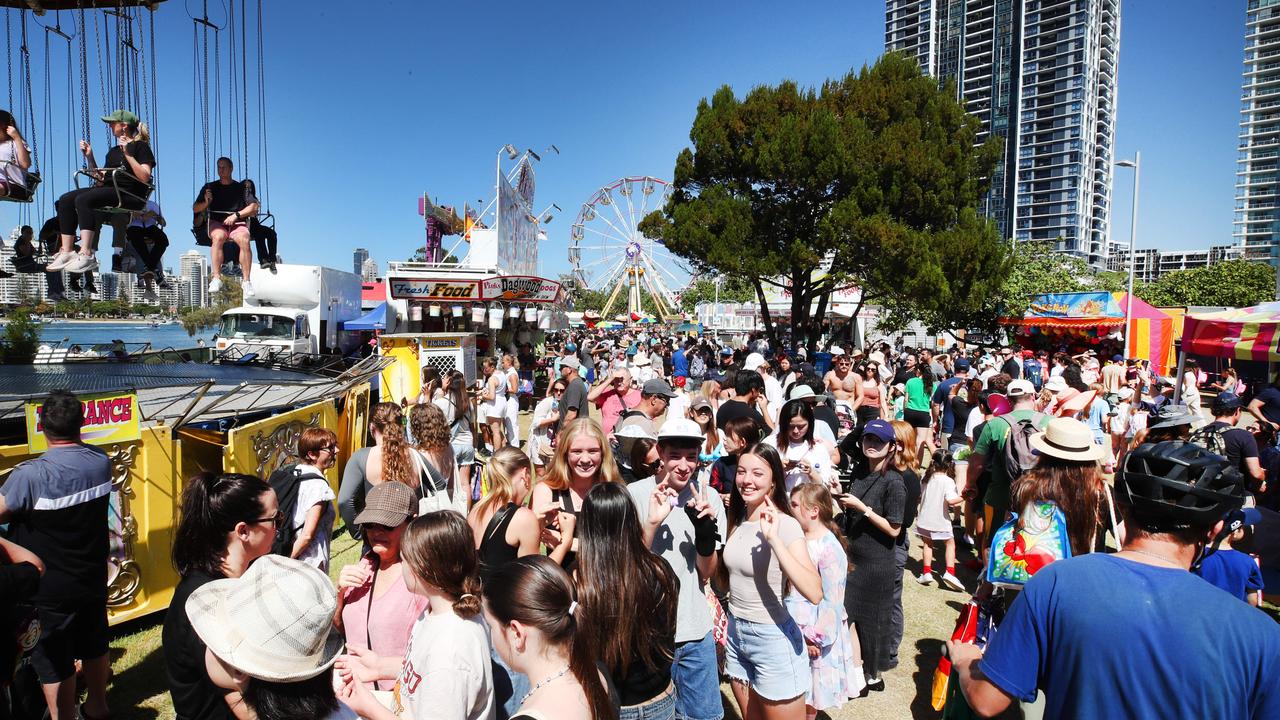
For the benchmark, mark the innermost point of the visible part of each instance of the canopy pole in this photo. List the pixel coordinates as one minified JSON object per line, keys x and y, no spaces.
{"x":1182,"y":367}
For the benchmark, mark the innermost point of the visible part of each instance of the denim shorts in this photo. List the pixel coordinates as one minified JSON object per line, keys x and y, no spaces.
{"x":770,"y":658}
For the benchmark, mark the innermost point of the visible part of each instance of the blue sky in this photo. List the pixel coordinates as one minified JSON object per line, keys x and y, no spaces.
{"x":373,"y":102}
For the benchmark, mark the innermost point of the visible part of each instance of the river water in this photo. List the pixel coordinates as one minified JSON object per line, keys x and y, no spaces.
{"x":164,"y":336}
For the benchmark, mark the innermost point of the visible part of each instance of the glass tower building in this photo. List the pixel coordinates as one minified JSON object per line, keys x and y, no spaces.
{"x":1255,"y":226}
{"x":1041,"y":76}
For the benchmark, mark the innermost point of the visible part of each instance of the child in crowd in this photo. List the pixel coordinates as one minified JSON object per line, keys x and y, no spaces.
{"x":933,"y":524}
{"x":314,"y":512}
{"x":898,"y":401}
{"x":446,"y":672}
{"x":834,"y":658}
{"x":1230,"y":569}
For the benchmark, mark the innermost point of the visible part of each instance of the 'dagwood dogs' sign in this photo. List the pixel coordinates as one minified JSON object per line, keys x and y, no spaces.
{"x":108,"y":419}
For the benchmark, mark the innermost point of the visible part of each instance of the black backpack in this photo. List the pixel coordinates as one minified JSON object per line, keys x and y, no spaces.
{"x":285,"y":481}
{"x":1212,"y":437}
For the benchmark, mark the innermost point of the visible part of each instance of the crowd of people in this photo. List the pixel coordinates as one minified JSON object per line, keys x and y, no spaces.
{"x":677,"y":514}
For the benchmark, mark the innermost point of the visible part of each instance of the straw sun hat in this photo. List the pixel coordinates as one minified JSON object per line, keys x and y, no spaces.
{"x":273,"y":623}
{"x":1067,"y":439}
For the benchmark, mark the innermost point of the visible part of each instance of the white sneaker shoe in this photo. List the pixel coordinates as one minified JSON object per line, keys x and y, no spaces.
{"x":247,"y":288}
{"x":60,"y":261}
{"x":82,"y":263}
{"x":925,"y":579}
{"x":150,"y":295}
{"x":215,"y":285}
{"x":952,"y":582}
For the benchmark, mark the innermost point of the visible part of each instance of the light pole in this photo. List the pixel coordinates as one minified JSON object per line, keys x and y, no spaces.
{"x":1136,"y":164}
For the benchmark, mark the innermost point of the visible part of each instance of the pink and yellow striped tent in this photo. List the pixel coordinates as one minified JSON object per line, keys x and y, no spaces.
{"x":1250,"y":333}
{"x":1150,"y":335}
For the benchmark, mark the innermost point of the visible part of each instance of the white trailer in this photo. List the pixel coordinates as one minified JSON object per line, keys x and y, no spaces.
{"x":297,"y":309}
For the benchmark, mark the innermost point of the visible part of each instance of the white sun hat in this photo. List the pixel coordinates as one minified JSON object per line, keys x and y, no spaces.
{"x":273,"y":623}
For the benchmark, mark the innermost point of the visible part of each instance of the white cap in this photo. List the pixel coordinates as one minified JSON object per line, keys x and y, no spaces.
{"x":753,"y":361}
{"x":801,"y":392}
{"x":1018,"y":388}
{"x":836,"y":351}
{"x":680,"y":428}
{"x":634,"y":431}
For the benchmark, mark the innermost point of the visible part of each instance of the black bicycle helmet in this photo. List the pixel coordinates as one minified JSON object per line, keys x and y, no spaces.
{"x":1176,"y":485}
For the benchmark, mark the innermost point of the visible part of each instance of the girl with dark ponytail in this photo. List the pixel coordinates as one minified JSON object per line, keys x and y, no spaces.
{"x":533,"y":617}
{"x":227,"y":522}
{"x":446,"y":671}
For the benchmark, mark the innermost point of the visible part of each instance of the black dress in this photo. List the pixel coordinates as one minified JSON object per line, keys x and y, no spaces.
{"x":869,"y":592}
{"x":494,"y":551}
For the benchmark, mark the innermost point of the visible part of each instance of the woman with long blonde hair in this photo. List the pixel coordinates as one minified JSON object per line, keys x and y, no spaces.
{"x":582,"y":459}
{"x":430,"y":430}
{"x":389,"y":458}
{"x":132,"y":159}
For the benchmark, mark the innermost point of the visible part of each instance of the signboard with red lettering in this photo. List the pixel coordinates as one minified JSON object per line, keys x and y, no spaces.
{"x":109,"y":418}
{"x":522,"y":288}
{"x":424,"y":289}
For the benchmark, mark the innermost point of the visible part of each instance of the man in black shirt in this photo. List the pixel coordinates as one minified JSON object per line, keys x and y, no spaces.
{"x":1222,"y":436}
{"x":1011,"y":366}
{"x":226,"y":206}
{"x":748,"y":389}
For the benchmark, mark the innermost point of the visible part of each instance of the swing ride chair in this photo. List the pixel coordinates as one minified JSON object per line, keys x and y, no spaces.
{"x":24,"y":193}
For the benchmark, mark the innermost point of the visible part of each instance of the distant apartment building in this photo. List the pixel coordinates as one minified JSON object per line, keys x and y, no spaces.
{"x":1041,"y":76}
{"x":357,"y":260}
{"x":1256,"y":226}
{"x":1150,"y":264}
{"x":193,"y":267}
{"x":369,"y":270}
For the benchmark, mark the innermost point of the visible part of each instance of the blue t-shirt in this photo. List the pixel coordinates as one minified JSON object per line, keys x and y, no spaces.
{"x":1232,"y":571}
{"x":679,"y":364}
{"x":1097,"y":416}
{"x":942,"y":396}
{"x":1105,"y":637}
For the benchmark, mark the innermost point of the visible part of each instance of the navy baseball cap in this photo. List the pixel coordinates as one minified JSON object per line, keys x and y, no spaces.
{"x":1242,"y":517}
{"x":880,"y":429}
{"x":726,"y":351}
{"x":1225,"y":403}
{"x":962,"y":364}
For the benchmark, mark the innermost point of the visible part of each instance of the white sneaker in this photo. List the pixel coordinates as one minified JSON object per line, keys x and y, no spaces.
{"x":82,"y":263}
{"x":925,"y":579}
{"x":247,"y":287}
{"x":952,"y":582}
{"x":215,"y":285}
{"x":60,"y":261}
{"x":150,"y":295}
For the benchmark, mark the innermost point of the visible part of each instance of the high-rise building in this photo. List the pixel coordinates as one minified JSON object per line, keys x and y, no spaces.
{"x":1041,"y":76}
{"x":358,"y":258}
{"x":369,"y":270}
{"x":1149,"y":263}
{"x":1255,"y":225}
{"x":194,"y":268}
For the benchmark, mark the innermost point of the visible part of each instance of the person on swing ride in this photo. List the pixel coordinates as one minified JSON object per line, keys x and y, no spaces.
{"x":227,"y":206}
{"x":15,"y":159}
{"x":134,"y":163}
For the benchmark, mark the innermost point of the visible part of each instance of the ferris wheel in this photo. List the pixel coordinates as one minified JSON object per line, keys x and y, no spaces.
{"x":609,"y":253}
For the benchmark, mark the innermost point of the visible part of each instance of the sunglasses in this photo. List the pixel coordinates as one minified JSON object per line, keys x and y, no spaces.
{"x":375,"y":527}
{"x":277,"y":520}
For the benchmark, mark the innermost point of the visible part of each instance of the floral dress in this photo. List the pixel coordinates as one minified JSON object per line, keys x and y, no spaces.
{"x":837,"y":671}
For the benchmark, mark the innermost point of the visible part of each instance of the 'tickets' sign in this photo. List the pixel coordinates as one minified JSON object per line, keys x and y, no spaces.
{"x":415,"y":289}
{"x":108,"y":419}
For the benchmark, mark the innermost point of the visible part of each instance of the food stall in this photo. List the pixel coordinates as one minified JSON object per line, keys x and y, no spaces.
{"x":1095,"y":321}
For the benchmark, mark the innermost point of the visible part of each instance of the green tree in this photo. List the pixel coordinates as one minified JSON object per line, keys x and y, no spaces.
{"x":872,"y":180}
{"x":21,"y":338}
{"x":1233,"y":283}
{"x":1033,"y":268}
{"x":195,"y":320}
{"x":703,"y":290}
